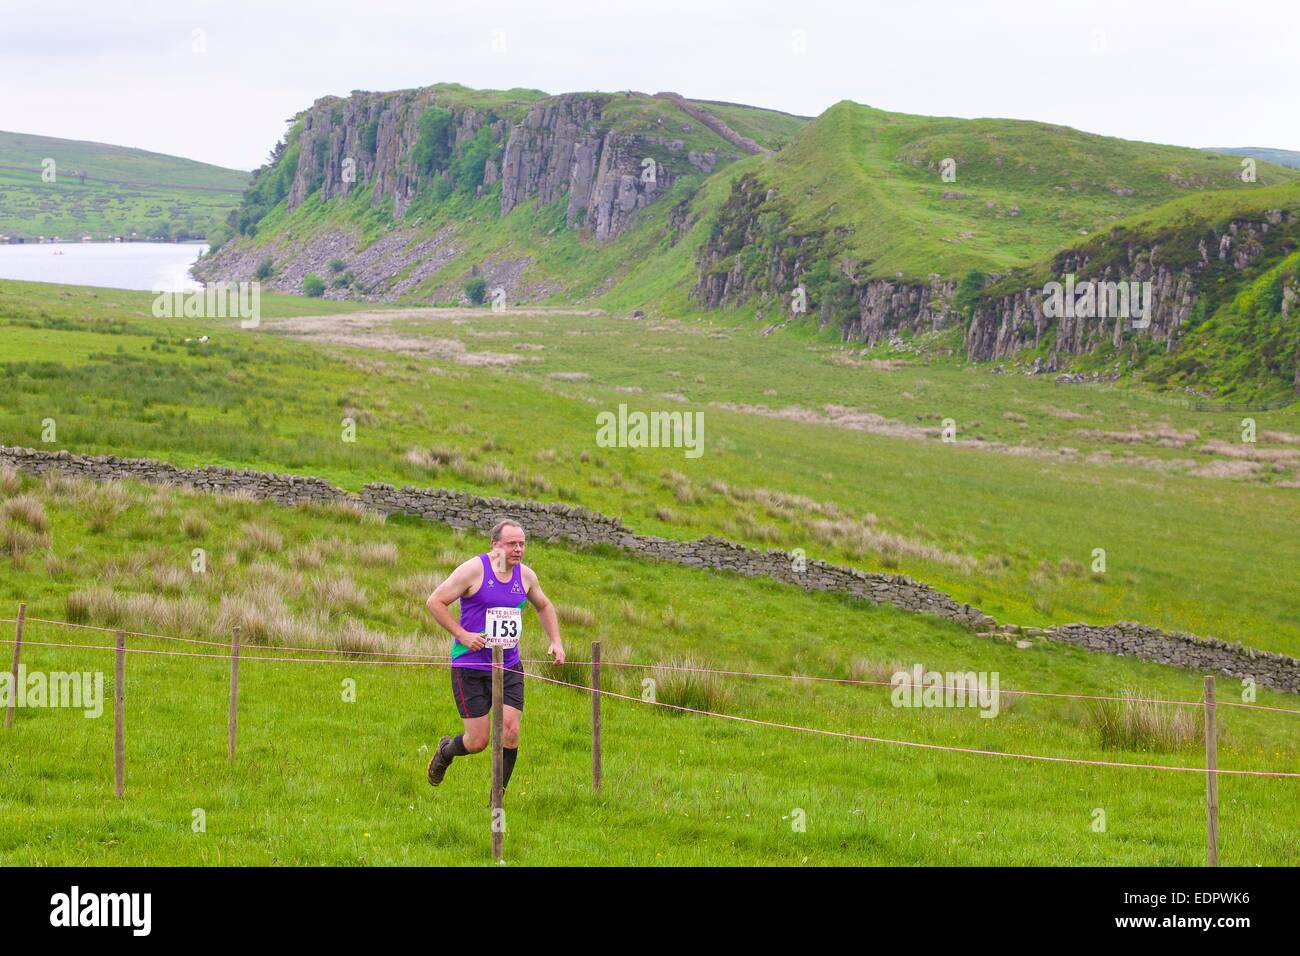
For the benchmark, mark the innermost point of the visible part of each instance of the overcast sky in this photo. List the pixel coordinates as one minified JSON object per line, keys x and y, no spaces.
{"x":215,"y":81}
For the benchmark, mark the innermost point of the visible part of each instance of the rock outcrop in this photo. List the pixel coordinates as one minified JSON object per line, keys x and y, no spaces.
{"x":1183,"y":270}
{"x":564,"y":147}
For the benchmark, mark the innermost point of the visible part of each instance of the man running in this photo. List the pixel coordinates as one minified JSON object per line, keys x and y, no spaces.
{"x":491,"y":589}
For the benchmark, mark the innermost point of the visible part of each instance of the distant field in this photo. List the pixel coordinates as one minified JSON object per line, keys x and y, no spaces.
{"x":124,"y":191}
{"x":1009,"y":525}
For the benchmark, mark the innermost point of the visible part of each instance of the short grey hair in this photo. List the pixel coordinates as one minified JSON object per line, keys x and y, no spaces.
{"x":501,"y":526}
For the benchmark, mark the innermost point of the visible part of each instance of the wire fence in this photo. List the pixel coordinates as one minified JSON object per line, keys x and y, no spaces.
{"x":234,"y":652}
{"x":662,"y":666}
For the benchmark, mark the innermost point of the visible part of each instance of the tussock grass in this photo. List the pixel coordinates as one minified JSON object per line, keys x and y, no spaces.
{"x":678,"y":684}
{"x":634,"y":614}
{"x":449,"y":557}
{"x":674,"y":619}
{"x":149,"y":613}
{"x":338,"y":592}
{"x":59,"y":486}
{"x":419,"y":586}
{"x":355,"y":637}
{"x":257,"y":538}
{"x":170,"y":579}
{"x":194,"y":525}
{"x":16,"y":542}
{"x":269,"y":574}
{"x":862,"y":668}
{"x":306,"y":557}
{"x":377,"y":554}
{"x":28,"y":510}
{"x":1139,"y":725}
{"x":11,"y":481}
{"x":573,"y":615}
{"x":105,"y":503}
{"x":861,"y":538}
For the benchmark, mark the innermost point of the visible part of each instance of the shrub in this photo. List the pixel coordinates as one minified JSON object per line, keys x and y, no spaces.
{"x":264,"y":269}
{"x":476,"y":290}
{"x":313,"y":286}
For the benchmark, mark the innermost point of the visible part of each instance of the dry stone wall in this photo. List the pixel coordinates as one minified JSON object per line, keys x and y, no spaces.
{"x":585,"y":528}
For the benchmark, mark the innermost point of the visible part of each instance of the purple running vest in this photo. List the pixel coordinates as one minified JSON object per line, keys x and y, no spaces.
{"x":473,"y":610}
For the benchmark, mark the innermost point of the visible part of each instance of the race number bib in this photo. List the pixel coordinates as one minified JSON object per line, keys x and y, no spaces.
{"x":503,"y":626}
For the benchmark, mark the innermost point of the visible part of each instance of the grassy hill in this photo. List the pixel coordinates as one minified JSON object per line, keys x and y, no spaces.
{"x":103,"y":191}
{"x":874,"y":180}
{"x":854,"y":196}
{"x":1281,"y":157}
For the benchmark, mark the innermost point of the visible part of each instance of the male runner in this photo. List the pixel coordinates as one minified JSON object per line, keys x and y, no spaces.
{"x":485,"y":583}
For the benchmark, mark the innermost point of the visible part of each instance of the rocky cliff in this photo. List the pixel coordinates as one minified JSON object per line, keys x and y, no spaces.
{"x":563,"y":147}
{"x":1189,"y":271}
{"x":420,"y":159}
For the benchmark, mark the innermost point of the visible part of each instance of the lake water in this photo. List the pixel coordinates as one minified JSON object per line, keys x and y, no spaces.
{"x":147,"y":266}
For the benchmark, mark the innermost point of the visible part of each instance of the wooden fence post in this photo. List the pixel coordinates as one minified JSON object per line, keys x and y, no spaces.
{"x":498,"y":765}
{"x":234,"y":692}
{"x":119,"y":706}
{"x":18,"y":648}
{"x":1211,"y":777}
{"x":595,"y":716}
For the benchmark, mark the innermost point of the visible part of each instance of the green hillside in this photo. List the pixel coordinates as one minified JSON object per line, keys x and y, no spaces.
{"x":102,"y":191}
{"x":1024,"y":189}
{"x":1282,"y":157}
{"x":770,"y":128}
{"x":837,"y":202}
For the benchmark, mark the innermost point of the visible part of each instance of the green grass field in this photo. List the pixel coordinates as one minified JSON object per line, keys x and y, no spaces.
{"x":320,"y":779}
{"x":1196,"y":525}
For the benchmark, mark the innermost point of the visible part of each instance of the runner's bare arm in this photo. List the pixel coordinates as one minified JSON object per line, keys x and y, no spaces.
{"x":545,"y":611}
{"x":452,"y":589}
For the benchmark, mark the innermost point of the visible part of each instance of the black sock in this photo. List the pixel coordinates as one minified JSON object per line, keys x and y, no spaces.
{"x":457,"y":746}
{"x":508,"y":755}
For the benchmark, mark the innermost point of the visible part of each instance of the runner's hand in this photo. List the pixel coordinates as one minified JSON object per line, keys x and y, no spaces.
{"x":475,"y":642}
{"x":557,"y":651}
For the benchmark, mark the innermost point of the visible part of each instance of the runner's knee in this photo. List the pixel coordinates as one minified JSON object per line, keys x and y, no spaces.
{"x":510,"y":729}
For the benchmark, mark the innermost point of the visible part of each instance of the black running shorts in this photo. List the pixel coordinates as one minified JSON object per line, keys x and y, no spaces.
{"x":472,"y":689}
